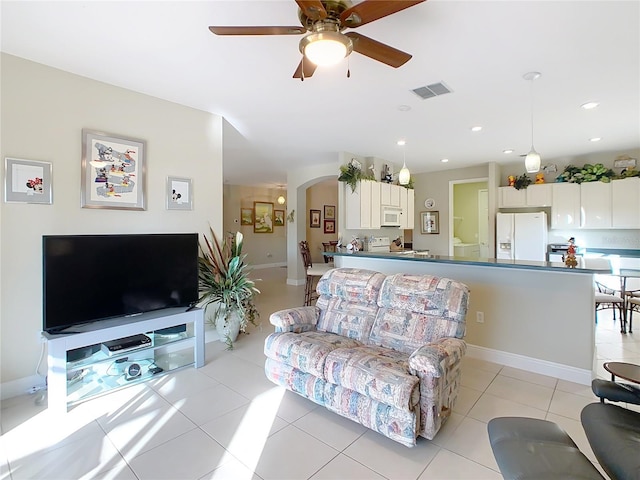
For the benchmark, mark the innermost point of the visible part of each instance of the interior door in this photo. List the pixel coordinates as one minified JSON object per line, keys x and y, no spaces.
{"x":483,"y":222}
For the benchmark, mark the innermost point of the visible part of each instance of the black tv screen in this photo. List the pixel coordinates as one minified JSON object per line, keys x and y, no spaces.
{"x":93,"y":277}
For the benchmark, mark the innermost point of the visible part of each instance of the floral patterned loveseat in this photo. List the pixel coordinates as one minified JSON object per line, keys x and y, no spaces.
{"x":384,"y":351}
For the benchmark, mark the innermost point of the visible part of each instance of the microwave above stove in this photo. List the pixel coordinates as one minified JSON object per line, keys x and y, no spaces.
{"x":391,"y":216}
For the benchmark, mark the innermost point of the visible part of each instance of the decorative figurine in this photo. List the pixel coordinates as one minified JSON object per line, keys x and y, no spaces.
{"x":539,"y":178}
{"x":512,"y":180}
{"x":570,"y":260}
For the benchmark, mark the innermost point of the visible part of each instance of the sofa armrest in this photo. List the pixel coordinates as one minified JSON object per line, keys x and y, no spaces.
{"x":432,"y":359}
{"x":297,"y":320}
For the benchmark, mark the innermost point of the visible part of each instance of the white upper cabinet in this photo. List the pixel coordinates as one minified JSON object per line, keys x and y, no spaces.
{"x":625,"y":203}
{"x":390,"y":194}
{"x":539,"y":195}
{"x":510,"y":197}
{"x":595,"y":204}
{"x":532,"y":196}
{"x":362,"y":207}
{"x":565,"y":212}
{"x":407,"y":198}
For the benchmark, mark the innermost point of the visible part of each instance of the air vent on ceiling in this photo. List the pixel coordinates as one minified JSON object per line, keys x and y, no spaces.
{"x":431,"y":90}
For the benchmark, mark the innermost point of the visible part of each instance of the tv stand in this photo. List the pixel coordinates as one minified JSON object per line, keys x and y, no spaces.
{"x":71,"y":382}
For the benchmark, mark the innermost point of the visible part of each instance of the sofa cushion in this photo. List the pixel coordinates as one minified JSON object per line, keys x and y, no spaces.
{"x":352,"y":284}
{"x":306,"y":351}
{"x":417,"y":310}
{"x":346,"y":318}
{"x":379,"y":373}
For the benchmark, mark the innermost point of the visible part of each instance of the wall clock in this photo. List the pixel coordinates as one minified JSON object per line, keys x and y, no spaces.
{"x":429,"y":203}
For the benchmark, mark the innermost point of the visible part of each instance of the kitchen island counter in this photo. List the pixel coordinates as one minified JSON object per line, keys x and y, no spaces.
{"x":417,"y":256}
{"x":534,"y":316}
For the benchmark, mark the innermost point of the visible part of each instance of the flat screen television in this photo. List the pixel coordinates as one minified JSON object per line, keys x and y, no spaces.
{"x":87,"y":278}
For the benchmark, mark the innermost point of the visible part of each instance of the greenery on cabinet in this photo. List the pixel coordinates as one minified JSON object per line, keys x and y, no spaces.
{"x":588,"y":173}
{"x":224,"y":284}
{"x":523,"y":181}
{"x":351,"y":174}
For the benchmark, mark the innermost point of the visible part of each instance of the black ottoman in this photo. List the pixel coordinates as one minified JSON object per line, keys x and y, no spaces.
{"x":529,"y":448}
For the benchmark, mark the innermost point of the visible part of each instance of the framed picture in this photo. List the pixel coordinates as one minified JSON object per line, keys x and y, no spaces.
{"x":246,"y":216}
{"x":179,"y":194}
{"x":278,"y":219}
{"x":329,"y":212}
{"x":27,"y":181}
{"x":329,"y":226}
{"x":113,"y":171}
{"x":263,"y":217}
{"x":429,"y":222}
{"x":314,"y":218}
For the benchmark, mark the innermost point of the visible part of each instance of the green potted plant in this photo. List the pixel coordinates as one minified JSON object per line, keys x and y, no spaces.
{"x":225,"y":286}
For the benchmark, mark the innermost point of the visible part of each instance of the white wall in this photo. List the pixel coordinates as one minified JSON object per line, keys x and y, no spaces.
{"x":43,"y":113}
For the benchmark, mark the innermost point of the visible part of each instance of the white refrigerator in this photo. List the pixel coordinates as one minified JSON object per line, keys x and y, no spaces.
{"x":521,"y":236}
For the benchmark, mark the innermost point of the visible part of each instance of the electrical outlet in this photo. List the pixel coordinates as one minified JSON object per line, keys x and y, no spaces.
{"x":480,"y":317}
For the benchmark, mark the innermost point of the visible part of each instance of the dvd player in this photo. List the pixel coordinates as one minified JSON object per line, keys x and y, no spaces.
{"x":125,"y":344}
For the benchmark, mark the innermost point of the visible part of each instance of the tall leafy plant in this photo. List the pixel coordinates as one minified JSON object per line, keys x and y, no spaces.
{"x":224,"y":281}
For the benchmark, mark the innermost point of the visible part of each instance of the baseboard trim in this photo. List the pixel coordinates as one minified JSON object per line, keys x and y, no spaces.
{"x":535,"y":365}
{"x":295,"y":282}
{"x":20,"y":386}
{"x":268,"y":265}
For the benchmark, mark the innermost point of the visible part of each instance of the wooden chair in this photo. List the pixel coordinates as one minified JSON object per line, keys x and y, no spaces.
{"x":313,"y":274}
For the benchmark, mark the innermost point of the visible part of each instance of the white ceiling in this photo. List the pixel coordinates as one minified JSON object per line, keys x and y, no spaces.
{"x":585,"y":50}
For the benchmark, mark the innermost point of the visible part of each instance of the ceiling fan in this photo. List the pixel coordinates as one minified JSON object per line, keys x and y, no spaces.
{"x":323,"y":21}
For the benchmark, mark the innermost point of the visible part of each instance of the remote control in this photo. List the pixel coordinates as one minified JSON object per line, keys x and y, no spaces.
{"x":155,"y":370}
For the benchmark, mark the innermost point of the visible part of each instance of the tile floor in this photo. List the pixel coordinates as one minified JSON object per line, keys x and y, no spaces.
{"x":226,"y":421}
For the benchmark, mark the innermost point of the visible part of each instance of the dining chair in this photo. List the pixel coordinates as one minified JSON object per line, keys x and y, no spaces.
{"x":606,"y":294}
{"x":313,"y":273}
{"x":633,"y":305}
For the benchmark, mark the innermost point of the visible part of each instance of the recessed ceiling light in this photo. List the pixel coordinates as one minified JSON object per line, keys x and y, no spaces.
{"x":404,"y":108}
{"x":589,"y":105}
{"x":595,"y":139}
{"x":507,"y":151}
{"x":476,"y":129}
{"x":444,"y":160}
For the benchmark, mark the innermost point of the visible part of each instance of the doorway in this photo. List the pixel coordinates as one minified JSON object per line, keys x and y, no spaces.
{"x":469,"y":218}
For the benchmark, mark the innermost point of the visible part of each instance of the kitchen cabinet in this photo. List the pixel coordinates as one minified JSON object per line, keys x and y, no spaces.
{"x":565,"y":209}
{"x":391,"y":194}
{"x":407,"y":199}
{"x":532,"y":196}
{"x":595,"y":205}
{"x":625,"y":203}
{"x":362,"y":207}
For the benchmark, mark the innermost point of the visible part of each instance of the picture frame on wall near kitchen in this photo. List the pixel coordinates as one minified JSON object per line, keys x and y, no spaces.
{"x":329,"y":212}
{"x":429,"y":222}
{"x":329,"y":226}
{"x":314,"y":218}
{"x":278,"y":219}
{"x":246,"y":216}
{"x":263,"y":221}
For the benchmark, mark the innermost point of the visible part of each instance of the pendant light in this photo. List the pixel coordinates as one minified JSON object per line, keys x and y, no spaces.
{"x":532,"y":160}
{"x":404,"y":177}
{"x":281,"y":200}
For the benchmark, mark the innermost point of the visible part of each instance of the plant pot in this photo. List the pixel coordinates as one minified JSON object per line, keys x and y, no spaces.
{"x":228,"y":328}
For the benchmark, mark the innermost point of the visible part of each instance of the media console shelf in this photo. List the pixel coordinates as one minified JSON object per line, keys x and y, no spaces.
{"x":72,"y":381}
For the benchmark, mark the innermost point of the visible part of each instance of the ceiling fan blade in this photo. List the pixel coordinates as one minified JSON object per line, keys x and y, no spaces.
{"x":258,"y":30}
{"x":370,"y":10}
{"x":378,"y":51}
{"x":308,"y":66}
{"x":313,"y":9}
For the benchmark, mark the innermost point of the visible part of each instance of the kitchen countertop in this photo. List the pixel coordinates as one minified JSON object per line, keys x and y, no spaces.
{"x":416,"y":256}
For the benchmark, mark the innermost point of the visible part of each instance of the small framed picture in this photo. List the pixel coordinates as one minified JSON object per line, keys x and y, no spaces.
{"x":314,"y":218}
{"x":179,"y":194}
{"x":27,"y":181}
{"x":263,"y":222}
{"x":278,"y":218}
{"x":329,"y":212}
{"x":429,"y":222}
{"x":246,"y":216}
{"x":113,"y":171}
{"x":329,"y":226}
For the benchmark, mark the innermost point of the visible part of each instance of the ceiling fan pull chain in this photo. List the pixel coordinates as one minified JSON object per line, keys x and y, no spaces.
{"x":348,"y":68}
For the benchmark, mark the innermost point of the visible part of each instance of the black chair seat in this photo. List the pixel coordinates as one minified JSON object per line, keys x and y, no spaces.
{"x":615,"y":392}
{"x":614,"y":435}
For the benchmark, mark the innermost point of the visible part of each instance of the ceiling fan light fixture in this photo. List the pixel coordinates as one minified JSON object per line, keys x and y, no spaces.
{"x":326,"y":48}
